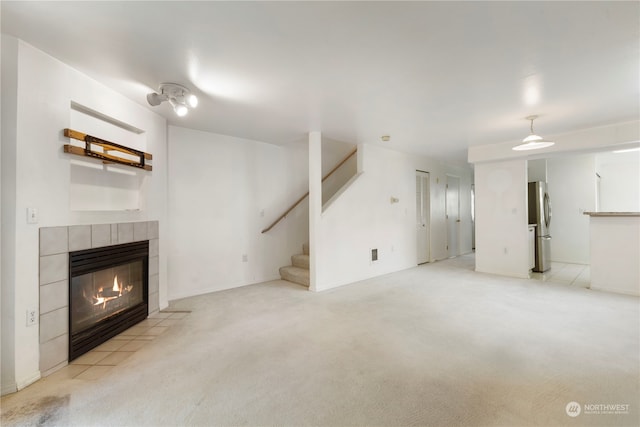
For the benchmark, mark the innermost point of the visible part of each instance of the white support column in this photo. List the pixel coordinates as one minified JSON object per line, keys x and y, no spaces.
{"x":502,"y":229}
{"x":315,"y":205}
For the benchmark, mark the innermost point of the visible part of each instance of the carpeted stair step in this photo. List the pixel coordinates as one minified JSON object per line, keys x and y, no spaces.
{"x":300,"y":260}
{"x":295,"y":274}
{"x":305,"y":249}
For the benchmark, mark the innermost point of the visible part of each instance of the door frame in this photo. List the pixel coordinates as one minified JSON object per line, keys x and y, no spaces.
{"x":458,"y":221}
{"x":426,"y":193}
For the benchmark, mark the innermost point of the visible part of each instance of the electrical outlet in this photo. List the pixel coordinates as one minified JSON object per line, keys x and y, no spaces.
{"x":32,"y":316}
{"x":245,"y":258}
{"x":374,"y":255}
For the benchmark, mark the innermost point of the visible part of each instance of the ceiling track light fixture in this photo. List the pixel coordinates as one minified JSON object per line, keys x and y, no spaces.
{"x":533,"y":141}
{"x":180,"y":98}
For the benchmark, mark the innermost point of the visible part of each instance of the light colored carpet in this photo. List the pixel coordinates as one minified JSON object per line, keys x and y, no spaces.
{"x":436,"y":345}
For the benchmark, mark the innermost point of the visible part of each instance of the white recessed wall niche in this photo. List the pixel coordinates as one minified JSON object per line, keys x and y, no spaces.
{"x":95,"y":186}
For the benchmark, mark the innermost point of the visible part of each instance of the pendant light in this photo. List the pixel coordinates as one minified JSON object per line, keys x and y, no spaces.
{"x":533,"y":141}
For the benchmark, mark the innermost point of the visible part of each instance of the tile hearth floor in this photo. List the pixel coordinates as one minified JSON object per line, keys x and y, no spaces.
{"x":101,"y":360}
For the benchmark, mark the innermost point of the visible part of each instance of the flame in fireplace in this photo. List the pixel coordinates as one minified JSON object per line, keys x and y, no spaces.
{"x":106,"y":294}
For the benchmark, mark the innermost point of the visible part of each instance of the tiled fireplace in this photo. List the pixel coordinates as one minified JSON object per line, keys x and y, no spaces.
{"x":98,"y":301}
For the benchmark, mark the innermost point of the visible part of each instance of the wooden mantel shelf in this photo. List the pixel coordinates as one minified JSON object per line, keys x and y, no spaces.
{"x":108,"y":152}
{"x":612,"y":213}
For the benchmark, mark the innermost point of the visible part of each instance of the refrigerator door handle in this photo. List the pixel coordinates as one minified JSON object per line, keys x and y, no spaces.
{"x":547,"y":210}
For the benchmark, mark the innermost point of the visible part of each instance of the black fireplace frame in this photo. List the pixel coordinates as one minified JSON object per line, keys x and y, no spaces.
{"x":92,"y":260}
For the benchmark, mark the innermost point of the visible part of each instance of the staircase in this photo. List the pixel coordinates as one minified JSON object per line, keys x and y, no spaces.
{"x":298,"y":272}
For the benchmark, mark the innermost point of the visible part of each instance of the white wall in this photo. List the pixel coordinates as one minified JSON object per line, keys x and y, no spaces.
{"x":223,"y":192}
{"x":537,"y":170}
{"x":363,"y":218}
{"x":37,"y":171}
{"x":571,"y":185}
{"x":619,"y":181}
{"x":501,"y":218}
{"x":9,"y":91}
{"x":316,"y":238}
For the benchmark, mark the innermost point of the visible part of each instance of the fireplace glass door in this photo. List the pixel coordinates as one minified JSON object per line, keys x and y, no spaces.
{"x":105,"y":293}
{"x":108,"y":293}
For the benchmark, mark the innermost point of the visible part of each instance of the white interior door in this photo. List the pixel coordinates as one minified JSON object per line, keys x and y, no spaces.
{"x":452,"y":203}
{"x":422,"y":217}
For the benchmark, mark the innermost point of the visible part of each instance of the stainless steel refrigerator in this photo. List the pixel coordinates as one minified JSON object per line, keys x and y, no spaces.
{"x":540,"y":215}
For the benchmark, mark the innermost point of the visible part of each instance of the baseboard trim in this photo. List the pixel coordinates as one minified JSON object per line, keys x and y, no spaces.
{"x":25,"y":382}
{"x":203,"y":291}
{"x":614,"y":291}
{"x":8,"y":389}
{"x":504,"y":273}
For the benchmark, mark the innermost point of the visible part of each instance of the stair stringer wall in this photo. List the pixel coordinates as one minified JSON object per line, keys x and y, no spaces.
{"x":333,"y":153}
{"x":361,"y":217}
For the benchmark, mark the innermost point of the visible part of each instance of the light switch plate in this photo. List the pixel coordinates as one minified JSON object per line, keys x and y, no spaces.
{"x":32,"y":215}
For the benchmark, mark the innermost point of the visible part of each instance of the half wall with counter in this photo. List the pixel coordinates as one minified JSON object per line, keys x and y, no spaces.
{"x":615,"y":251}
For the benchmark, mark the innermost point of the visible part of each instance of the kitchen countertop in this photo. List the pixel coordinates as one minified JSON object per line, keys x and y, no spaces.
{"x":612,"y":213}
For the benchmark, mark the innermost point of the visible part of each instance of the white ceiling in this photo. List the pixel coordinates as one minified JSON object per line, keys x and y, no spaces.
{"x":436,"y":76}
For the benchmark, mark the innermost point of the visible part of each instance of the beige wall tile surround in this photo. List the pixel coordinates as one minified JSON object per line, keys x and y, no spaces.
{"x":54,"y":268}
{"x":54,"y":324}
{"x":154,"y":265}
{"x":140,"y":231}
{"x":154,"y":283}
{"x":154,"y":248}
{"x":114,"y":234}
{"x":54,"y":296}
{"x":79,"y":237}
{"x":125,"y":233}
{"x":154,"y":230}
{"x":53,"y":240}
{"x":54,"y":354}
{"x":100,"y":235}
{"x":154,"y":302}
{"x":55,"y":245}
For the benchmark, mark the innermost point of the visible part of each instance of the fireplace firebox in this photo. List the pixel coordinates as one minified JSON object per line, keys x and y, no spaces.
{"x":108,"y":293}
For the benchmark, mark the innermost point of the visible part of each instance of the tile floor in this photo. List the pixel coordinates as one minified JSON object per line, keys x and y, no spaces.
{"x":101,"y":360}
{"x":567,"y":274}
